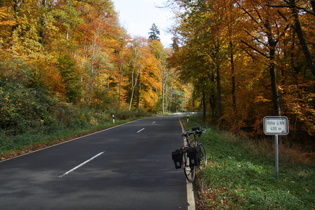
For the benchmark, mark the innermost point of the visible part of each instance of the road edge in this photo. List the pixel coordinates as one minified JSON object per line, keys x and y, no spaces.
{"x":189,"y":186}
{"x":65,"y":142}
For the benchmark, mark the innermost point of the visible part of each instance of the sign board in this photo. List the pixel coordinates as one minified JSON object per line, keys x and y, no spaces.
{"x":276,"y":125}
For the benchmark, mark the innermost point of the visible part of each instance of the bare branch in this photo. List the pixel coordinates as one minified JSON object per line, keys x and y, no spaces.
{"x":256,"y":39}
{"x":263,"y":54}
{"x":292,"y":6}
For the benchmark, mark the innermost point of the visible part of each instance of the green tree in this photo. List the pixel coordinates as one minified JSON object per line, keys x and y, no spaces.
{"x":70,"y":78}
{"x":154,"y":33}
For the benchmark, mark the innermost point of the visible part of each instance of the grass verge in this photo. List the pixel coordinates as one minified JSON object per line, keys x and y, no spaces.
{"x":35,"y":139}
{"x":241,"y":175}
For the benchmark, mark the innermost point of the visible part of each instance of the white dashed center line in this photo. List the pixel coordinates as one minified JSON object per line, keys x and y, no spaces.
{"x":85,"y":162}
{"x":140,"y":130}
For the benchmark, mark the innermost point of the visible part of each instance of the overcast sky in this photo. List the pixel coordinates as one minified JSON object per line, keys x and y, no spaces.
{"x":137,"y":17}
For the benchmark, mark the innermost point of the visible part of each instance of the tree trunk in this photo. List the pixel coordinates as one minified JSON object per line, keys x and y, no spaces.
{"x":233,"y":77}
{"x":16,"y":7}
{"x":42,"y":32}
{"x":204,"y":104}
{"x":164,"y":86}
{"x":120,"y":84}
{"x":313,"y":5}
{"x":212,"y":105}
{"x":139,"y":92}
{"x":134,"y":80}
{"x":219,"y":101}
{"x":273,"y":76}
{"x":212,"y":98}
{"x":163,"y":97}
{"x":299,"y":32}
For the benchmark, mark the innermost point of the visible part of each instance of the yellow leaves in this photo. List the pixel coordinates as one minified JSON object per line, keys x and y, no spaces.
{"x":89,"y":32}
{"x":262,"y":99}
{"x":5,"y":17}
{"x":150,"y":79}
{"x":7,"y":23}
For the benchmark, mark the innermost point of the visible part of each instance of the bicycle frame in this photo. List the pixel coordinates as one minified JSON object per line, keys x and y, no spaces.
{"x":190,"y":164}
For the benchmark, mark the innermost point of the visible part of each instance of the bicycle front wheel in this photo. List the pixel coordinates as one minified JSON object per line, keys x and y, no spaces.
{"x":189,"y":171}
{"x":203,"y":155}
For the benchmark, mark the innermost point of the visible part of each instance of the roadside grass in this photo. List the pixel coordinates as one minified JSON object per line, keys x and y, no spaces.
{"x":241,"y":175}
{"x":11,"y":146}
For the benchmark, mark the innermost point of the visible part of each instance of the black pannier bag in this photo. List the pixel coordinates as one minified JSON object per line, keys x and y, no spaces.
{"x":196,"y":128}
{"x":177,"y":158}
{"x":194,"y":156}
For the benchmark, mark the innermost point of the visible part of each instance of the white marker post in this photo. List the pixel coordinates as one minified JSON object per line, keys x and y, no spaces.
{"x":276,"y":125}
{"x":113,"y":116}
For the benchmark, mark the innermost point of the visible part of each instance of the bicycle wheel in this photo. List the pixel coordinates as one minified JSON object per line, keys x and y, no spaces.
{"x":203,"y":155}
{"x":189,"y":170}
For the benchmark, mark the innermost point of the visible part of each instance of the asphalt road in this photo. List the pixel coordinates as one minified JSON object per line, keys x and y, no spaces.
{"x":125,"y":167}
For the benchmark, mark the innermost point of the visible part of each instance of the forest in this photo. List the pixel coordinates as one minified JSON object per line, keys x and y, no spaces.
{"x":69,"y":63}
{"x":248,"y":59}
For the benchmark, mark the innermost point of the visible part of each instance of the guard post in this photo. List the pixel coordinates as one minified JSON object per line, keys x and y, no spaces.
{"x":276,"y":125}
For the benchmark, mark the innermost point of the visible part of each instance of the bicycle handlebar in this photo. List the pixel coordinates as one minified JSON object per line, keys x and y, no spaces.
{"x":188,"y":134}
{"x":195,"y":130}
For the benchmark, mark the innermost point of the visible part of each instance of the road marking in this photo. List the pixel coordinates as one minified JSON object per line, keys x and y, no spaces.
{"x":190,"y":196}
{"x":154,"y":122}
{"x":85,"y":162}
{"x":140,"y":130}
{"x":66,"y":142}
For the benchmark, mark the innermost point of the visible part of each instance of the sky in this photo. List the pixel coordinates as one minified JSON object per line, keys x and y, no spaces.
{"x":137,"y":17}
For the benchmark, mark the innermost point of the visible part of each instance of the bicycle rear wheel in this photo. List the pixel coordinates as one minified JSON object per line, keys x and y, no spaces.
{"x":189,"y":171}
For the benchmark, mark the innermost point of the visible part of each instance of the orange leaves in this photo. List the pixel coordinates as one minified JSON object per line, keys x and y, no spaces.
{"x":110,"y":67}
{"x":261,"y":99}
{"x":248,"y":52}
{"x":144,"y":74}
{"x":5,"y":17}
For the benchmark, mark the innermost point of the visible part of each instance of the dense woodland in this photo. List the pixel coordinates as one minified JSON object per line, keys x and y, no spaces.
{"x":248,"y":59}
{"x":69,"y":62}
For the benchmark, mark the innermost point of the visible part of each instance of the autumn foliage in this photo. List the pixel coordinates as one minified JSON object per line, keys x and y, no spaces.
{"x":58,"y":55}
{"x":238,"y":61}
{"x":249,"y":59}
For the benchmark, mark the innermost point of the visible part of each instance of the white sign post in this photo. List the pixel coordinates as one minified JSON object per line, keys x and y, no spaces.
{"x":276,"y":125}
{"x":113,"y":118}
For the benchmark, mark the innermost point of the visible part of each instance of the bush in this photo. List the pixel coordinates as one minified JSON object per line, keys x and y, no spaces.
{"x":32,"y":114}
